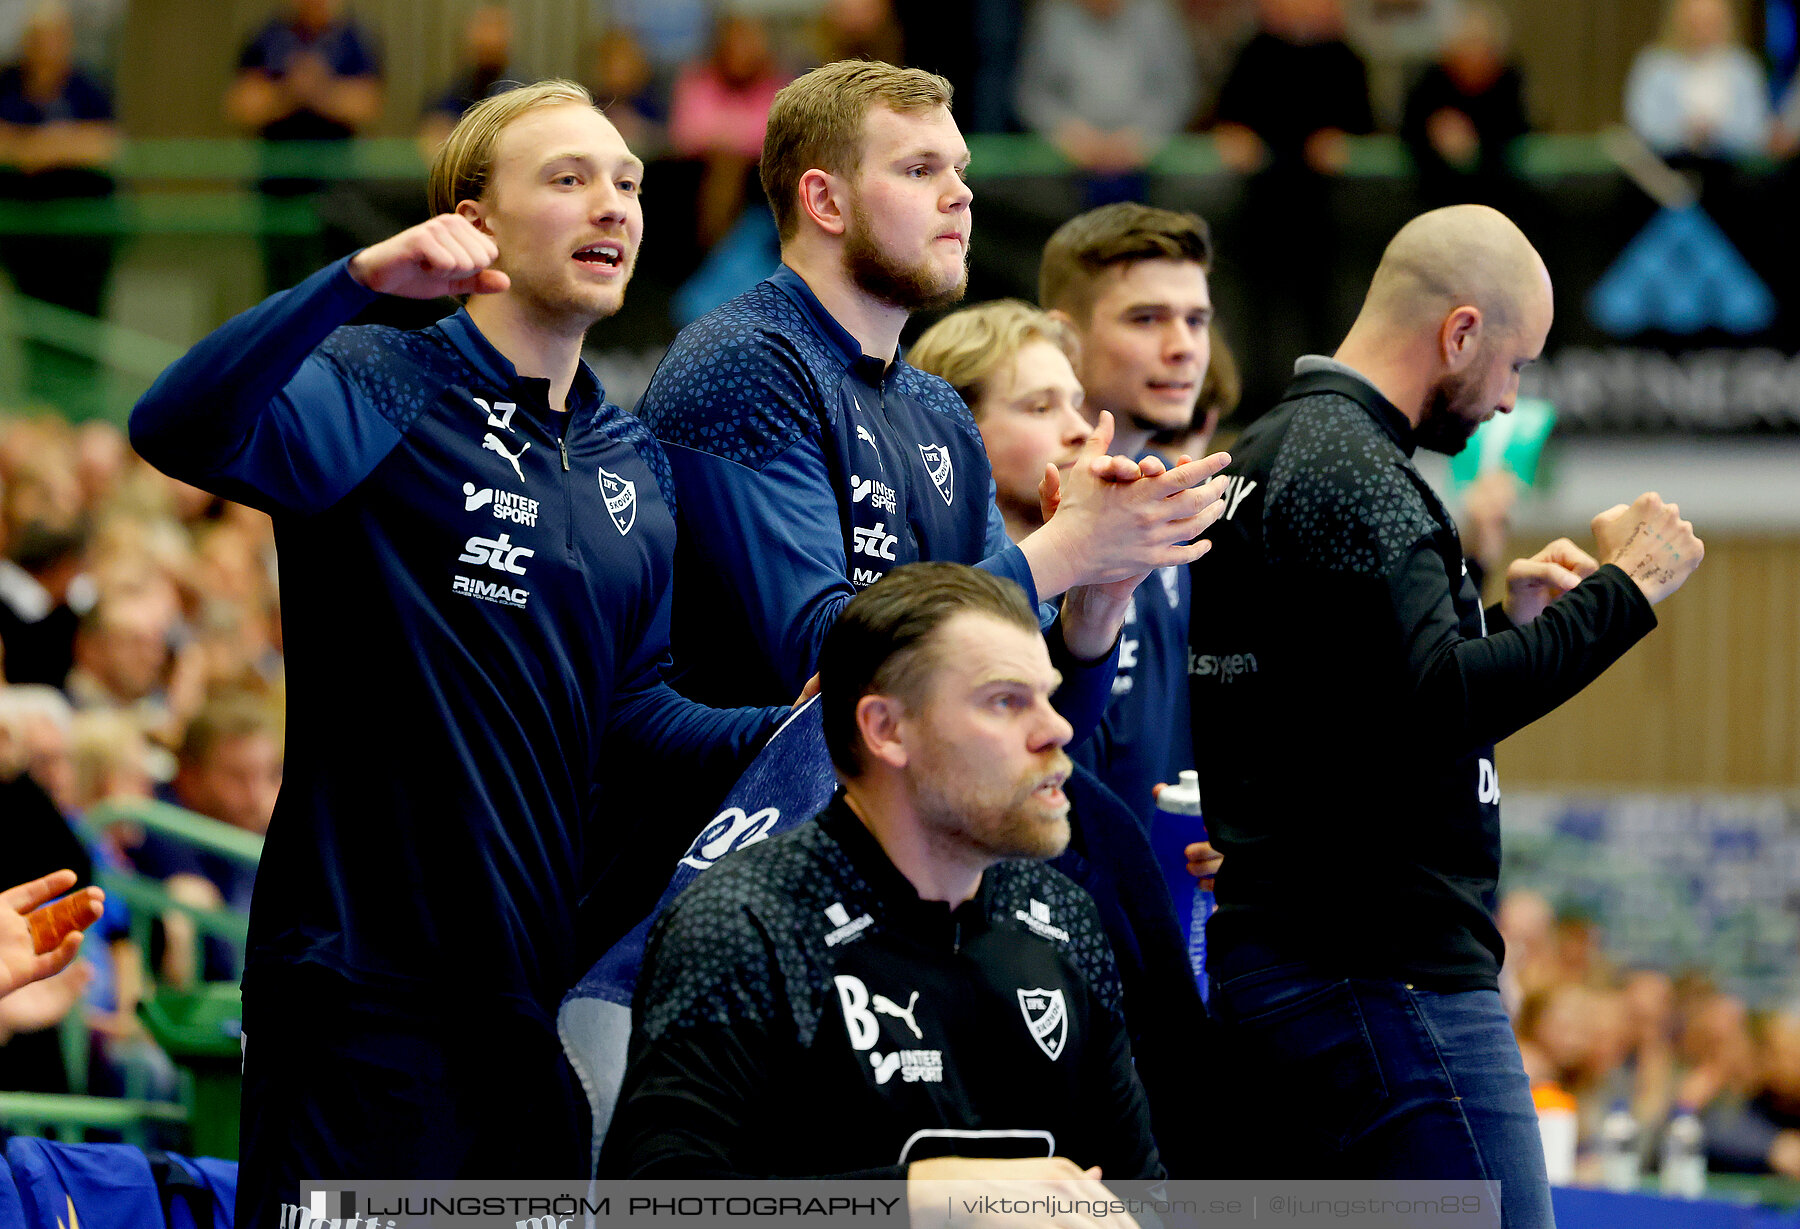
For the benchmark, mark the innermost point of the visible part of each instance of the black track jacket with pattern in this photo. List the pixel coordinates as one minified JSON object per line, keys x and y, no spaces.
{"x":802,"y":1013}
{"x":1348,"y":691}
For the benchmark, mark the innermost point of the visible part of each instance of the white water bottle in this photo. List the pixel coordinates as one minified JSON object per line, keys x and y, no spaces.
{"x":1178,"y":824}
{"x":1684,"y":1155}
{"x":1619,"y":1157}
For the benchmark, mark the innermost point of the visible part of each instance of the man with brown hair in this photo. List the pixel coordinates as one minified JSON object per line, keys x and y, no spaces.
{"x":1131,"y":280}
{"x":812,"y":459}
{"x":472,"y":537}
{"x":899,"y":988}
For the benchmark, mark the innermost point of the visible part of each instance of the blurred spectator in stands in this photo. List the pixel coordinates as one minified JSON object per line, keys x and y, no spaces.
{"x":102,"y":459}
{"x":1524,"y":919}
{"x":1715,"y":1051}
{"x":1397,"y":39}
{"x":486,"y":57}
{"x":1465,"y":111}
{"x":857,"y":30}
{"x":972,"y":44}
{"x":228,"y":769}
{"x":42,"y":721}
{"x":719,"y":110}
{"x":1761,"y":1133}
{"x":667,"y":34}
{"x":123,"y":655}
{"x":1577,"y":1037}
{"x":43,"y":540}
{"x":57,"y":136}
{"x":56,"y":120}
{"x":39,"y":840}
{"x":1217,"y":31}
{"x":310,"y":74}
{"x":111,"y":760}
{"x":1107,"y":82}
{"x":1649,"y":998}
{"x":1698,"y":91}
{"x":1295,"y":92}
{"x":624,"y":84}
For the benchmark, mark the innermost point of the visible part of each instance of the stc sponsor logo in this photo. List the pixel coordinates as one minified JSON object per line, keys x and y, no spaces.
{"x":876,"y":543}
{"x":860,"y":1008}
{"x":497,"y":553}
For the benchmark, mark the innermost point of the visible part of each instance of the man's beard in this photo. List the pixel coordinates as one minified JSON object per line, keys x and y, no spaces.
{"x":880,"y":275}
{"x":999,"y":828}
{"x":1443,"y":427}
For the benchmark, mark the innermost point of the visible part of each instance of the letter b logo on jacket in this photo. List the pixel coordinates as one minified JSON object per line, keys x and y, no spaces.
{"x":859,"y":1021}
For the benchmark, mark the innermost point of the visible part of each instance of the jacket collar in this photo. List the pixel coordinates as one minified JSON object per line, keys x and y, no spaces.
{"x":1315,"y":373}
{"x":586,"y":395}
{"x":931,"y":921}
{"x":848,"y":349}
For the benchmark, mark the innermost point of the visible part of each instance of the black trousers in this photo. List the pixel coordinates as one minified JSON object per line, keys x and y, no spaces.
{"x":341,"y":1081}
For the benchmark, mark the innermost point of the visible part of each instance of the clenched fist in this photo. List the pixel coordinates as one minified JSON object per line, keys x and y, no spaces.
{"x":1650,"y":542}
{"x":445,"y":255}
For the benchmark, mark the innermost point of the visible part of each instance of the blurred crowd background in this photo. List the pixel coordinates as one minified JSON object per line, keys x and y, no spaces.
{"x":164,"y":165}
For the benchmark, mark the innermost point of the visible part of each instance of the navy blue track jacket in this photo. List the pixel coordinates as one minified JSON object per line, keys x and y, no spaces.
{"x":475,"y":596}
{"x":808,"y":470}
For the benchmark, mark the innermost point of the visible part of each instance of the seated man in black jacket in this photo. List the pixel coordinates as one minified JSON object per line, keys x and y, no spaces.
{"x":899,"y":986}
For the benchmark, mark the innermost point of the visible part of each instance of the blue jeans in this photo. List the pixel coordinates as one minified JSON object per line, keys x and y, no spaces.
{"x":1358,"y":1078}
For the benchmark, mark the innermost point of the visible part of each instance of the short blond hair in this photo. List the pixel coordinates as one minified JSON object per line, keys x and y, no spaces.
{"x":816,"y":122}
{"x":465,"y":160}
{"x":967,"y":347}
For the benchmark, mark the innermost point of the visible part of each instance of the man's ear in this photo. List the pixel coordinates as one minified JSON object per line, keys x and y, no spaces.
{"x":472,"y":211}
{"x":824,"y":199}
{"x":878,"y":725}
{"x":1459,"y":337}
